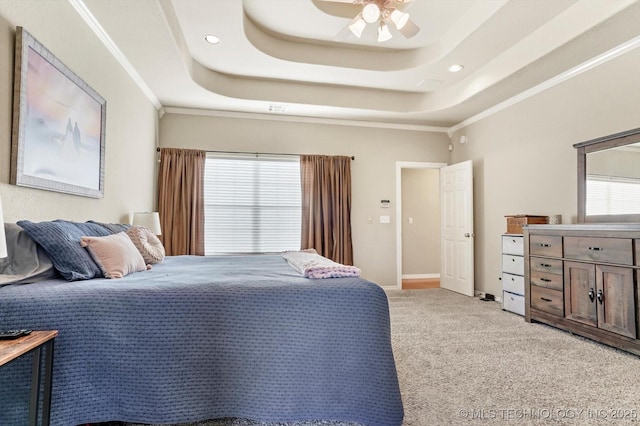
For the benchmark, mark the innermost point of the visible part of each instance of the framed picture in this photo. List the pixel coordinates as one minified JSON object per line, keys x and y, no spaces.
{"x":58,"y":135}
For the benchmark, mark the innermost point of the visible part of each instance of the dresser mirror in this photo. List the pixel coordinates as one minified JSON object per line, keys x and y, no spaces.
{"x":609,"y":178}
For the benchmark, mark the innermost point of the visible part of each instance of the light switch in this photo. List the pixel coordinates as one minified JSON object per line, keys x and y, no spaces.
{"x":410,"y":221}
{"x":385,"y":219}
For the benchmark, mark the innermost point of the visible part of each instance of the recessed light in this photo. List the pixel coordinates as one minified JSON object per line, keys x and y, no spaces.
{"x":455,"y":68}
{"x":211,"y":39}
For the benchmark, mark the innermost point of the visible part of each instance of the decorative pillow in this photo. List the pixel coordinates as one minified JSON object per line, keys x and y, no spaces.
{"x":61,"y":240}
{"x":149,"y":246}
{"x":114,"y":254}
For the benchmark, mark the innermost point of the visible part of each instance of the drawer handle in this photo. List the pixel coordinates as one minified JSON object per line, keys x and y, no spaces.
{"x":545,"y":299}
{"x":545,"y":265}
{"x":600,"y":296}
{"x":546,"y":280}
{"x":592,"y":295}
{"x":545,"y":245}
{"x":596,"y":248}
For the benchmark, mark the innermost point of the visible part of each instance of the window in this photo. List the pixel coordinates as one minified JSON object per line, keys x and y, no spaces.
{"x":252,"y":203}
{"x":612,"y":195}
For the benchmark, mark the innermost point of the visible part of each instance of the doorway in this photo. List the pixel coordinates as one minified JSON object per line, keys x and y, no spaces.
{"x":418,"y":243}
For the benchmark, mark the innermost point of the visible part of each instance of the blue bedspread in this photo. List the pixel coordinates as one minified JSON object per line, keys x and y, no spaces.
{"x":200,"y":338}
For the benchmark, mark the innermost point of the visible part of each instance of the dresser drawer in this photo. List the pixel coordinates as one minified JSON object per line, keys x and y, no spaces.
{"x":513,"y":283}
{"x":598,"y":249}
{"x":545,"y":245}
{"x":547,"y":300}
{"x":513,"y":264}
{"x":545,"y":279}
{"x":551,"y":266}
{"x":513,"y":244}
{"x":513,"y":302}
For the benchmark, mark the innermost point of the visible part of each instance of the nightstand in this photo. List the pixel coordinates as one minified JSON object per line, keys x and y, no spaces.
{"x":34,"y":342}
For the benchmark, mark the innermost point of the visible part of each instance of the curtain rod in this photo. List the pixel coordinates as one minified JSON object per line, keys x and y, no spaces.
{"x":255,"y":153}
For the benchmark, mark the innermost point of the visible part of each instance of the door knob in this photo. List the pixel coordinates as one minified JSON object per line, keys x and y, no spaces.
{"x":467,"y":235}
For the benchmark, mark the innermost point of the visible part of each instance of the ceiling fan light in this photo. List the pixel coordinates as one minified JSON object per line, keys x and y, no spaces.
{"x":357,"y":26}
{"x":399,"y":18}
{"x":383,"y":33}
{"x":371,"y":13}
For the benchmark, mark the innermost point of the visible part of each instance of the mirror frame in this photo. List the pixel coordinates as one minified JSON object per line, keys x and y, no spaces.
{"x":607,"y":142}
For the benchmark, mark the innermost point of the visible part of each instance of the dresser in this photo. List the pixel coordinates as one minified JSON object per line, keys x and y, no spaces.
{"x":513,"y":273}
{"x":584,"y":279}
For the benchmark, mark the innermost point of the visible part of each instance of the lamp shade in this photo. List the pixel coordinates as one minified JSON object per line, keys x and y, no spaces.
{"x":3,"y":239}
{"x":357,"y":26}
{"x":399,"y":18}
{"x":371,"y":13}
{"x":149,"y":220}
{"x":383,"y":33}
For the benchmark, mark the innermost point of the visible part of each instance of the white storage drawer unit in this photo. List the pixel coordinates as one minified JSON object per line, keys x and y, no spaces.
{"x":513,"y":283}
{"x":513,"y":244}
{"x":513,"y":273}
{"x":513,"y":302}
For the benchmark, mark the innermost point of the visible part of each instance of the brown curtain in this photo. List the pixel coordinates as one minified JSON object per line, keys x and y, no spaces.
{"x":326,"y":206}
{"x":181,"y":200}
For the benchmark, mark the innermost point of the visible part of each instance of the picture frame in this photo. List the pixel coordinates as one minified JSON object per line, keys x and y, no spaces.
{"x":58,"y":132}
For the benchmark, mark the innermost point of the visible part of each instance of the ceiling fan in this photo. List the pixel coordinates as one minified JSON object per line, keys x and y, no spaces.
{"x":384,"y":13}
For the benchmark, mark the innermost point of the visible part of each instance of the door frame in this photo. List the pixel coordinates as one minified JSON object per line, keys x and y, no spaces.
{"x":399,"y":166}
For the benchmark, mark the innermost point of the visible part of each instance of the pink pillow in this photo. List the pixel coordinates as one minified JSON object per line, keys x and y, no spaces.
{"x":149,"y":246}
{"x":115,"y":254}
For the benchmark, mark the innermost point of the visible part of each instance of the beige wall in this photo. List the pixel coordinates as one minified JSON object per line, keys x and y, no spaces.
{"x":373,"y":171}
{"x":131,"y":118}
{"x":524,"y":160}
{"x":421,"y":206}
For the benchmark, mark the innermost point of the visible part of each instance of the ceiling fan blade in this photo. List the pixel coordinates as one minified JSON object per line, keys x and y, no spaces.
{"x":410,"y":29}
{"x":343,"y":34}
{"x":347,"y":30}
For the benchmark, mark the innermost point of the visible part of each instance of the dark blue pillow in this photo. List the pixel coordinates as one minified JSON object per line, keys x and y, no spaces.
{"x":113,"y":228}
{"x":61,"y":240}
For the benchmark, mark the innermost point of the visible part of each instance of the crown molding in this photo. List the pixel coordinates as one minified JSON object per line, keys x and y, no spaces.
{"x":95,"y":26}
{"x":303,"y":119}
{"x":603,"y":58}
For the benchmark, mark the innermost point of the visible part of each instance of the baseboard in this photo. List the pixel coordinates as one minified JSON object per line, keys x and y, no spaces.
{"x":419,"y":276}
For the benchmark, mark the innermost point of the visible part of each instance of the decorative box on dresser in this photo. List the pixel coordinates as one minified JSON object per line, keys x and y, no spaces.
{"x":584,"y":279}
{"x":513,"y":273}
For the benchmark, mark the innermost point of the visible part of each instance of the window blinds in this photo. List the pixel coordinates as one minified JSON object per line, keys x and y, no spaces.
{"x":252,"y":203}
{"x":612,"y":195}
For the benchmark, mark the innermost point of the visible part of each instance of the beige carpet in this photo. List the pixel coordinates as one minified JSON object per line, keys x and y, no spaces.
{"x":464,"y":361}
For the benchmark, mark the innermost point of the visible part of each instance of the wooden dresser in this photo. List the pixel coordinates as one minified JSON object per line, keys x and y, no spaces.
{"x":584,"y":279}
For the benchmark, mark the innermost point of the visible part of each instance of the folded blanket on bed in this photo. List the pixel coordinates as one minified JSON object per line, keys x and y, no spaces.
{"x":311,"y":265}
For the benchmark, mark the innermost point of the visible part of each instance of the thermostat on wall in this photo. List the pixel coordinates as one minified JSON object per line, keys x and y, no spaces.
{"x":385,"y":204}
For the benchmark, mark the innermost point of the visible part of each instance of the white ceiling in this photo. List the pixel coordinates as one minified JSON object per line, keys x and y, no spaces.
{"x":294,"y":58}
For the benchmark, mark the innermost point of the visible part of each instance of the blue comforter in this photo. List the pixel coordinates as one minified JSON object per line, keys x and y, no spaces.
{"x":200,"y":338}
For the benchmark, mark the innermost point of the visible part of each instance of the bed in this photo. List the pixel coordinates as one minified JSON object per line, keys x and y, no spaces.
{"x":198,"y":338}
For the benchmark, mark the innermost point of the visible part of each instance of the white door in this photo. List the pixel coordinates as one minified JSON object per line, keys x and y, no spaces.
{"x":456,"y":192}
